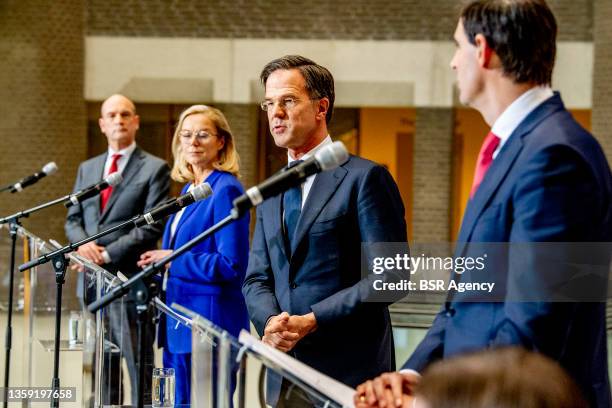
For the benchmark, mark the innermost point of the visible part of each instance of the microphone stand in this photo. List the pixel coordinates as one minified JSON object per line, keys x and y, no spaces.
{"x":60,"y":264}
{"x":44,"y":258}
{"x":6,"y":188}
{"x":26,"y":213}
{"x":14,"y":224}
{"x":143,"y":296}
{"x":150,"y":270}
{"x":9,"y":336}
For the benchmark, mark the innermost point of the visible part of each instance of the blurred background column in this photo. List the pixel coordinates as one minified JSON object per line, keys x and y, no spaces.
{"x":602,"y":74}
{"x":42,"y":108}
{"x":432,"y":175}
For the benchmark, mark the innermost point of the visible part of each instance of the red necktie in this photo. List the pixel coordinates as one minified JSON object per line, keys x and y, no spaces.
{"x":105,"y":194}
{"x":485,"y":158}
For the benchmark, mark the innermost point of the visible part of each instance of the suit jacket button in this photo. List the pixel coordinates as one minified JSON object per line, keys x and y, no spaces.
{"x":450,"y":312}
{"x":293,"y":285}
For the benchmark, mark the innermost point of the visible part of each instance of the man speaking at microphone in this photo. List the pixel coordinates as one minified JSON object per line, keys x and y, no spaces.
{"x":145,"y":185}
{"x":303,"y":286}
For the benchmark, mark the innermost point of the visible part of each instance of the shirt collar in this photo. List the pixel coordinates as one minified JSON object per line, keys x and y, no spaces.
{"x":125,"y":152}
{"x":518,"y":110}
{"x":311,"y":152}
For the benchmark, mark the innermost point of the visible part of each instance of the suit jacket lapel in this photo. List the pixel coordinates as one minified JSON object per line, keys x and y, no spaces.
{"x":131,"y":169}
{"x":172,"y":237}
{"x":271,"y":212}
{"x":211,"y":179}
{"x":186,"y":213}
{"x":490,"y":184}
{"x":500,"y":167}
{"x":167,"y":239}
{"x":324,"y":186}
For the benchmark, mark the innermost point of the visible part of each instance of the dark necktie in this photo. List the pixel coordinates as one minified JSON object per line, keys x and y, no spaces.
{"x":292,"y":208}
{"x":485,"y":158}
{"x":106,"y":193}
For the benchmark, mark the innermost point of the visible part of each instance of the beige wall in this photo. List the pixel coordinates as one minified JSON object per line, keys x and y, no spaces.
{"x":368,"y":73}
{"x":386,"y":136}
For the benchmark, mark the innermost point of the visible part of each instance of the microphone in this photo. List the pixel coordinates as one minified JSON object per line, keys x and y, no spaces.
{"x":109,"y":181}
{"x":47,"y":170}
{"x":327,"y":158}
{"x":198,"y":193}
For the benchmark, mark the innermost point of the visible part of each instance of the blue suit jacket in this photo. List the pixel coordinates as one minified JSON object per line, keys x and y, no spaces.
{"x":354,"y":203}
{"x":550,"y":183}
{"x":207,"y":279}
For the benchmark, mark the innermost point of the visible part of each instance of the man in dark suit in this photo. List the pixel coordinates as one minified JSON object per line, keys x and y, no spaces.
{"x":145,"y":185}
{"x":540,"y":178}
{"x":303,"y":285}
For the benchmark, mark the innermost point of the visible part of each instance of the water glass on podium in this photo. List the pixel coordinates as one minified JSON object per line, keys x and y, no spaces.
{"x":163,"y":387}
{"x":75,"y":329}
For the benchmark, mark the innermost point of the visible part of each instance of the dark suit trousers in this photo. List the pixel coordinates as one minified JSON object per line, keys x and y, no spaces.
{"x":123,"y":326}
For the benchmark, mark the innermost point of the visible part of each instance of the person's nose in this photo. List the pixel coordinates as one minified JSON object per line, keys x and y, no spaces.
{"x":278,"y":111}
{"x":193,"y":140}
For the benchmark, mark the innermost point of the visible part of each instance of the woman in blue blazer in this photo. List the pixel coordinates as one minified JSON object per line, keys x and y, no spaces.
{"x":208,"y":278}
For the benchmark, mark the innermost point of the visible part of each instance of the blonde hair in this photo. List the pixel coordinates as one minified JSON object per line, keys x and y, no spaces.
{"x":228,"y":156}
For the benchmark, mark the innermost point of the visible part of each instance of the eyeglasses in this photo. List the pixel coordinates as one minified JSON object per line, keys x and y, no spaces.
{"x":287,"y":103}
{"x":200,"y":135}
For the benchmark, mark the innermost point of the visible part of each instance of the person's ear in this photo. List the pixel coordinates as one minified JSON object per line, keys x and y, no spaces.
{"x":484,"y":51}
{"x":221,"y":142}
{"x":323,"y":107}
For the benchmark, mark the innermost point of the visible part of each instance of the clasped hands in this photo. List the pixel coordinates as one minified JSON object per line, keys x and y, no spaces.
{"x":284,"y":331}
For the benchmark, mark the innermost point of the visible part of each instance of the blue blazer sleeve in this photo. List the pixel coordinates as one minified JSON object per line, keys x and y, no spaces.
{"x":228,"y":260}
{"x":430,"y":349}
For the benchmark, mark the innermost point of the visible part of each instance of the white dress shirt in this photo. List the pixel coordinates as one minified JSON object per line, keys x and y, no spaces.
{"x":121,"y":163}
{"x":518,"y":110}
{"x":177,"y":217}
{"x":307,"y":184}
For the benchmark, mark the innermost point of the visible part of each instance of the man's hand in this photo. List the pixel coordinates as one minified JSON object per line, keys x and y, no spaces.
{"x":277,"y":334}
{"x":407,"y":401}
{"x":387,"y":390}
{"x":153,"y":256}
{"x":302,"y":325}
{"x":283,"y":331}
{"x":90,"y":251}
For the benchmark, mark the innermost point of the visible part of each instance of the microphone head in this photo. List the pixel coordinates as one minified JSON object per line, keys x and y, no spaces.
{"x":332,"y":156}
{"x":114,"y":178}
{"x":201,"y":191}
{"x":49,"y":168}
